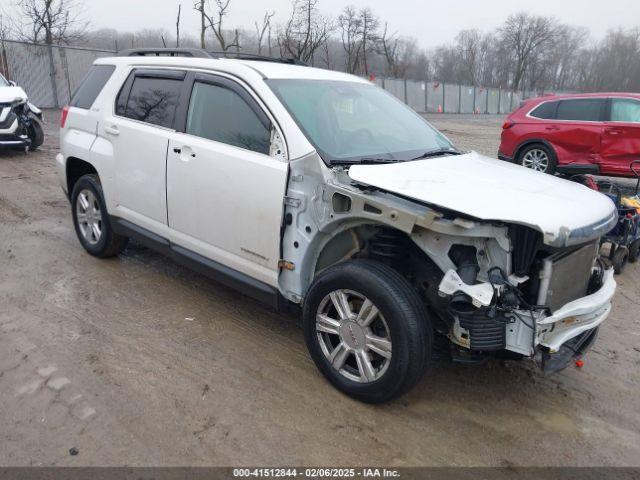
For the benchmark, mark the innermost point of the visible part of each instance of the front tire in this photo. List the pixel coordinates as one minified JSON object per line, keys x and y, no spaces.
{"x":367,"y":330}
{"x":91,"y":220}
{"x":538,"y":157}
{"x":36,"y":133}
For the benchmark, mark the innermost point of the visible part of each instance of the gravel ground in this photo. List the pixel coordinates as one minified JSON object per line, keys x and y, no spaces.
{"x":138,"y":361}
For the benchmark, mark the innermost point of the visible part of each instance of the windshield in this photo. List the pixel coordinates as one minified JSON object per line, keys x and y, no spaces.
{"x":3,"y":81}
{"x":348,"y":121}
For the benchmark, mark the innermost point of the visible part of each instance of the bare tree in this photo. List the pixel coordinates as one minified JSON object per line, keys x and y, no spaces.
{"x":178,"y":26}
{"x":524,"y":35}
{"x":50,"y":21}
{"x":369,"y":34}
{"x":305,"y":31}
{"x":199,"y":6}
{"x":214,"y":21}
{"x":350,"y":25}
{"x":469,"y":45}
{"x":263,"y":29}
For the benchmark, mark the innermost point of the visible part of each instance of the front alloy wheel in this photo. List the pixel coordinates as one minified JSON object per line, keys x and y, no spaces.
{"x":353,"y":335}
{"x":367,"y":330}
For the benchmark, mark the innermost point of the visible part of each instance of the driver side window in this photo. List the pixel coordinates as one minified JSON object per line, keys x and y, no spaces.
{"x":220,"y":114}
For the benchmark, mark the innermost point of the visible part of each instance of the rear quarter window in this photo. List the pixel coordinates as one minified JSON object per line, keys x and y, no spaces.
{"x":545,"y":111}
{"x":91,"y":86}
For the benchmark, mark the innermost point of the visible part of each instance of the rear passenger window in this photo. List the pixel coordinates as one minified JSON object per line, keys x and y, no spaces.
{"x":220,"y":114}
{"x":151,"y":100}
{"x":545,"y":111}
{"x":585,"y":109}
{"x":91,"y":86}
{"x":625,"y":110}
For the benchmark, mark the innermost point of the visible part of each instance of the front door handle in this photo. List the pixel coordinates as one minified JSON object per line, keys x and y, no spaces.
{"x":613,"y":131}
{"x":552,"y":128}
{"x":112,"y":130}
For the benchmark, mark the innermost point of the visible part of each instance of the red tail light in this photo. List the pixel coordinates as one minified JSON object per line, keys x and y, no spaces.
{"x":63,"y":116}
{"x":508,"y":124}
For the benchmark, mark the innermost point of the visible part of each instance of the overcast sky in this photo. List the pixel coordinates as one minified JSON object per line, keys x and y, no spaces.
{"x":432,"y":22}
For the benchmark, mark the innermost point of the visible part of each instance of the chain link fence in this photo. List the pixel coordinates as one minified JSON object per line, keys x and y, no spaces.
{"x":50,"y":74}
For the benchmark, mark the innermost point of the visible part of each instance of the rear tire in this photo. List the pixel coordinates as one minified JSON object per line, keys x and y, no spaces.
{"x":634,"y":251}
{"x":538,"y":157}
{"x":91,"y":220}
{"x":620,"y":259}
{"x":359,"y":304}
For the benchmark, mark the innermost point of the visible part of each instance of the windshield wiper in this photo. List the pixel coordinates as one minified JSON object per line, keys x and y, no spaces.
{"x":437,"y":153}
{"x":364,"y":161}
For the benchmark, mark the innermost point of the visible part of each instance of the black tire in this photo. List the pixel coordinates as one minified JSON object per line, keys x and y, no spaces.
{"x":409,"y":328}
{"x":109,"y":243}
{"x":620,"y":259}
{"x":634,"y":251}
{"x":36,"y":133}
{"x":551,"y":155}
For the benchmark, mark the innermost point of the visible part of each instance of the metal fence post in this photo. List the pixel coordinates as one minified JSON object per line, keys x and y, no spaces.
{"x":459,"y":98}
{"x":486,"y":110}
{"x":426,"y":96}
{"x":499,"y":99}
{"x":52,"y":74}
{"x":406,"y":99}
{"x":474,"y":100}
{"x":443,"y":109}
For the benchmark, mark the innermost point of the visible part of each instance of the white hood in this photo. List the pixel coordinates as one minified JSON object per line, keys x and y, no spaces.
{"x":11,"y":94}
{"x":490,"y":189}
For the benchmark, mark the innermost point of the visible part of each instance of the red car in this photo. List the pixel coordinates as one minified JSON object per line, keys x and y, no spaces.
{"x":596,"y":133}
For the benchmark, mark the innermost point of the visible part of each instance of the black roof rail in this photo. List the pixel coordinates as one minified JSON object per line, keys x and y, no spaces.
{"x":200,"y":53}
{"x":165,"y":52}
{"x":255,"y":56}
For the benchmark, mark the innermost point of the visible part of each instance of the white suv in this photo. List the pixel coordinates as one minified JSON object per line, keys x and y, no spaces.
{"x":311,"y":188}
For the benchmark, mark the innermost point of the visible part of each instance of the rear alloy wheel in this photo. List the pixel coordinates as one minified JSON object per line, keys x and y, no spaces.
{"x":537,"y":157}
{"x":367,"y":330}
{"x":91,"y":220}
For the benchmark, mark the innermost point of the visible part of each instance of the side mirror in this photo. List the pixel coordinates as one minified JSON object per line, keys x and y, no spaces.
{"x":12,"y":83}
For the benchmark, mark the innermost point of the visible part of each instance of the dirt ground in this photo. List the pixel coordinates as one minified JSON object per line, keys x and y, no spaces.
{"x":138,"y":361}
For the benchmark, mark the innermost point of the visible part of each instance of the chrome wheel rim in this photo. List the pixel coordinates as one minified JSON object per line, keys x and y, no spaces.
{"x":536,"y":159}
{"x":354,"y":336}
{"x":89,"y":216}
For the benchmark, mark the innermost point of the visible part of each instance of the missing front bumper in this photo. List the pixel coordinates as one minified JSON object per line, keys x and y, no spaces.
{"x":568,"y":351}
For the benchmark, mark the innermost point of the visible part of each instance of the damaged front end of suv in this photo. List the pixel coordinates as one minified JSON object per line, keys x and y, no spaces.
{"x":20,"y":120}
{"x":500,"y":286}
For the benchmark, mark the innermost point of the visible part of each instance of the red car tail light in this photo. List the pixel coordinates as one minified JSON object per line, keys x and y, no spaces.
{"x":63,"y":116}
{"x":508,"y":124}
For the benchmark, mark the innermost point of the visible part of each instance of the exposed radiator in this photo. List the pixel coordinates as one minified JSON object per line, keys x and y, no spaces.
{"x":565,"y":275}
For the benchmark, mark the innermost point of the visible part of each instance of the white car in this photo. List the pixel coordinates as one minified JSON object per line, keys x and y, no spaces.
{"x":309,"y":188}
{"x":20,"y":120}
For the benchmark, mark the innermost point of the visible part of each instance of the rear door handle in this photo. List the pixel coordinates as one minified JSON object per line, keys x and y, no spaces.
{"x":613,"y":131}
{"x":112,"y":130}
{"x":185,"y":152}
